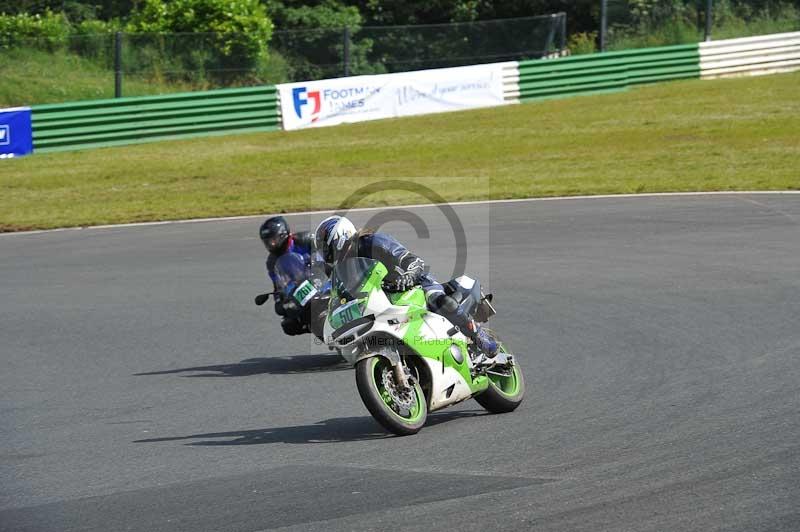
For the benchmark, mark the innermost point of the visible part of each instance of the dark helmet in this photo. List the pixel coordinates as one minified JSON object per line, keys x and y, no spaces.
{"x":274,"y":233}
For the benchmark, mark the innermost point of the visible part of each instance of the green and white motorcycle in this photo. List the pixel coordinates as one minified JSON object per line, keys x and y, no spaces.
{"x":410,"y":361}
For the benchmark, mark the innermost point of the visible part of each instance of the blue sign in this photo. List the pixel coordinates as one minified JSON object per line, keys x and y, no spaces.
{"x":16,"y":134}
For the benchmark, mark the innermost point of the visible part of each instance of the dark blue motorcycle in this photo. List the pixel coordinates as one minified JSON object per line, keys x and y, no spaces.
{"x":302,"y":292}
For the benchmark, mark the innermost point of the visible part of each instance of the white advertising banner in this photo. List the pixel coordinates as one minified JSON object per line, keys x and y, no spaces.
{"x":359,"y":98}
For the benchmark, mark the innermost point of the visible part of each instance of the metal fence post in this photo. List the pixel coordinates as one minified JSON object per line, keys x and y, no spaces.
{"x":551,"y":37}
{"x":118,"y":65}
{"x":603,"y":24}
{"x":709,"y":17}
{"x":563,"y":42}
{"x":346,"y":51}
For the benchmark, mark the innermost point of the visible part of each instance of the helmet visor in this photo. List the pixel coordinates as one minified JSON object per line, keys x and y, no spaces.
{"x":274,"y":243}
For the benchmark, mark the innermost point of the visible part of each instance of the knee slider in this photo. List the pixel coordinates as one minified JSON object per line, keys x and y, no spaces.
{"x":445,"y":303}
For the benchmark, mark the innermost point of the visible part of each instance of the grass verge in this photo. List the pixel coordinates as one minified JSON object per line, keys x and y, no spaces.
{"x":733,"y":134}
{"x":30,"y":77}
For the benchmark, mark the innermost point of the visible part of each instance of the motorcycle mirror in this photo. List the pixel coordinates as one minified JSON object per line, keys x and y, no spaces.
{"x":261,"y":299}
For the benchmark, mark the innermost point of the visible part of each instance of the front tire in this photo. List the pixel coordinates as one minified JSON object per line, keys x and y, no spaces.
{"x":404,"y":416}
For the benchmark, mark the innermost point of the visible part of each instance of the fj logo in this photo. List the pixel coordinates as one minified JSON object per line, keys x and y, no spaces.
{"x":301,"y":97}
{"x":5,"y":135}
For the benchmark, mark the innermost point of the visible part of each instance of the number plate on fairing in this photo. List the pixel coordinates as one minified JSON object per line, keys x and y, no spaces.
{"x":346,"y":313}
{"x":304,"y":293}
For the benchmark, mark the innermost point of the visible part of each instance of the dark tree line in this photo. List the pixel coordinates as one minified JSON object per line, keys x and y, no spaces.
{"x":228,"y":42}
{"x":582,"y":15}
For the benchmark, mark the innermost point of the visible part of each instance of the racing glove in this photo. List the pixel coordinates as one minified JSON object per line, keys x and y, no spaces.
{"x":279,"y":310}
{"x":402,"y":283}
{"x":408,"y":274}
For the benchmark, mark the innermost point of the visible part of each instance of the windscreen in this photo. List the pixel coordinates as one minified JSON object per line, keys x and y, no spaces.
{"x":349,"y":276}
{"x":290,"y":270}
{"x":346,"y":303}
{"x":316,"y":274}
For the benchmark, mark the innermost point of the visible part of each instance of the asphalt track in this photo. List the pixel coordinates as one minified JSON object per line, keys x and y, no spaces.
{"x":141,"y":390}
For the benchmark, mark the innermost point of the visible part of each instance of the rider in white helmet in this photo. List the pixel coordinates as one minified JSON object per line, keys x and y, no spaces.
{"x":337,"y":238}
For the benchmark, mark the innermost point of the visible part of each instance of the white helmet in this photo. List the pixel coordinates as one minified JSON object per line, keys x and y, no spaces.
{"x":332,"y":234}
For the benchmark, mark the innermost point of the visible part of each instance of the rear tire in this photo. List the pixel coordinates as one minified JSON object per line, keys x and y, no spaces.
{"x":504,"y":394}
{"x":395,"y":418}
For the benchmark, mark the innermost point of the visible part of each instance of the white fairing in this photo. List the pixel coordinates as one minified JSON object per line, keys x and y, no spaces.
{"x":436,"y":327}
{"x":466,"y":282}
{"x":442,"y":381}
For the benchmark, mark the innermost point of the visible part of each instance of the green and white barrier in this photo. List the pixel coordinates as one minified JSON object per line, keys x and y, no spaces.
{"x":594,"y":73}
{"x":114,"y":122}
{"x":99,"y":123}
{"x":613,"y":71}
{"x":750,"y":56}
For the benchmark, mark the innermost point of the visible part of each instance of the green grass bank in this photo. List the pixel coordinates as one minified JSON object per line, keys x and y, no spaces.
{"x":733,"y":134}
{"x":30,"y":77}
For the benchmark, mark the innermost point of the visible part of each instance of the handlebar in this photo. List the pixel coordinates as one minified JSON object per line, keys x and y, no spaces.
{"x":263,"y":298}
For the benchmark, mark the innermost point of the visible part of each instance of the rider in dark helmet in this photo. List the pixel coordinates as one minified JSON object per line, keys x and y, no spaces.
{"x":279,"y":239}
{"x":337,"y":239}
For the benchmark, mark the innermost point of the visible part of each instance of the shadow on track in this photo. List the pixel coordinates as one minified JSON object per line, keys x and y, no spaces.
{"x":343,"y":429}
{"x":257,"y":366}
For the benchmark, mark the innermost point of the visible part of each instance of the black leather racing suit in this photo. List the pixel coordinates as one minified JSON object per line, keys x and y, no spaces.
{"x":401,"y":262}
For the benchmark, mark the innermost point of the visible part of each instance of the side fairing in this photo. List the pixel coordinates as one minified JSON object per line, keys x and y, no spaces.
{"x":448,"y":386}
{"x":448,"y":358}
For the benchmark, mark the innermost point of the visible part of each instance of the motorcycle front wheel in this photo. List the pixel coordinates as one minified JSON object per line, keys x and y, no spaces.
{"x":402,"y":412}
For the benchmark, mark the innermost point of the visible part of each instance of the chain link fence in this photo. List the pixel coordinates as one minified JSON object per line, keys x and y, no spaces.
{"x":146,"y":63}
{"x":317,"y":54}
{"x":137,"y":64}
{"x":646,"y":23}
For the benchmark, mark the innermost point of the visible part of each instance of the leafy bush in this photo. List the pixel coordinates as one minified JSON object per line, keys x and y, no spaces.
{"x":228,"y":36}
{"x":97,"y":27}
{"x":94,"y":39}
{"x":273,"y":69}
{"x":647,"y":23}
{"x":669,"y":33}
{"x":311,"y":39}
{"x":48,"y":31}
{"x":243,"y":25}
{"x":741,"y":20}
{"x":582,"y":43}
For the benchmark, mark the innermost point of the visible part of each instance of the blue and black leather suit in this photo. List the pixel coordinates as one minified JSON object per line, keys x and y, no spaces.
{"x":301,"y":243}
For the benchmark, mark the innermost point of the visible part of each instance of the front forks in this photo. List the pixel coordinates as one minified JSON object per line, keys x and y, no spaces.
{"x":400,"y":375}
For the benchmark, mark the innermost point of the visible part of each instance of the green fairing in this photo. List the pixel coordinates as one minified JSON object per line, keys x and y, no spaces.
{"x":412,"y":298}
{"x":439,"y":350}
{"x":375,"y":279}
{"x":436,"y":349}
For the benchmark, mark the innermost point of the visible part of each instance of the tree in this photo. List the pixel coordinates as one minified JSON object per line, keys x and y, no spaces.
{"x":221,"y":37}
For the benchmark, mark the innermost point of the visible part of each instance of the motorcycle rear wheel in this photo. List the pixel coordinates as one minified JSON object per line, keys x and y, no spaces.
{"x":400,"y":419}
{"x":505,"y":393}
